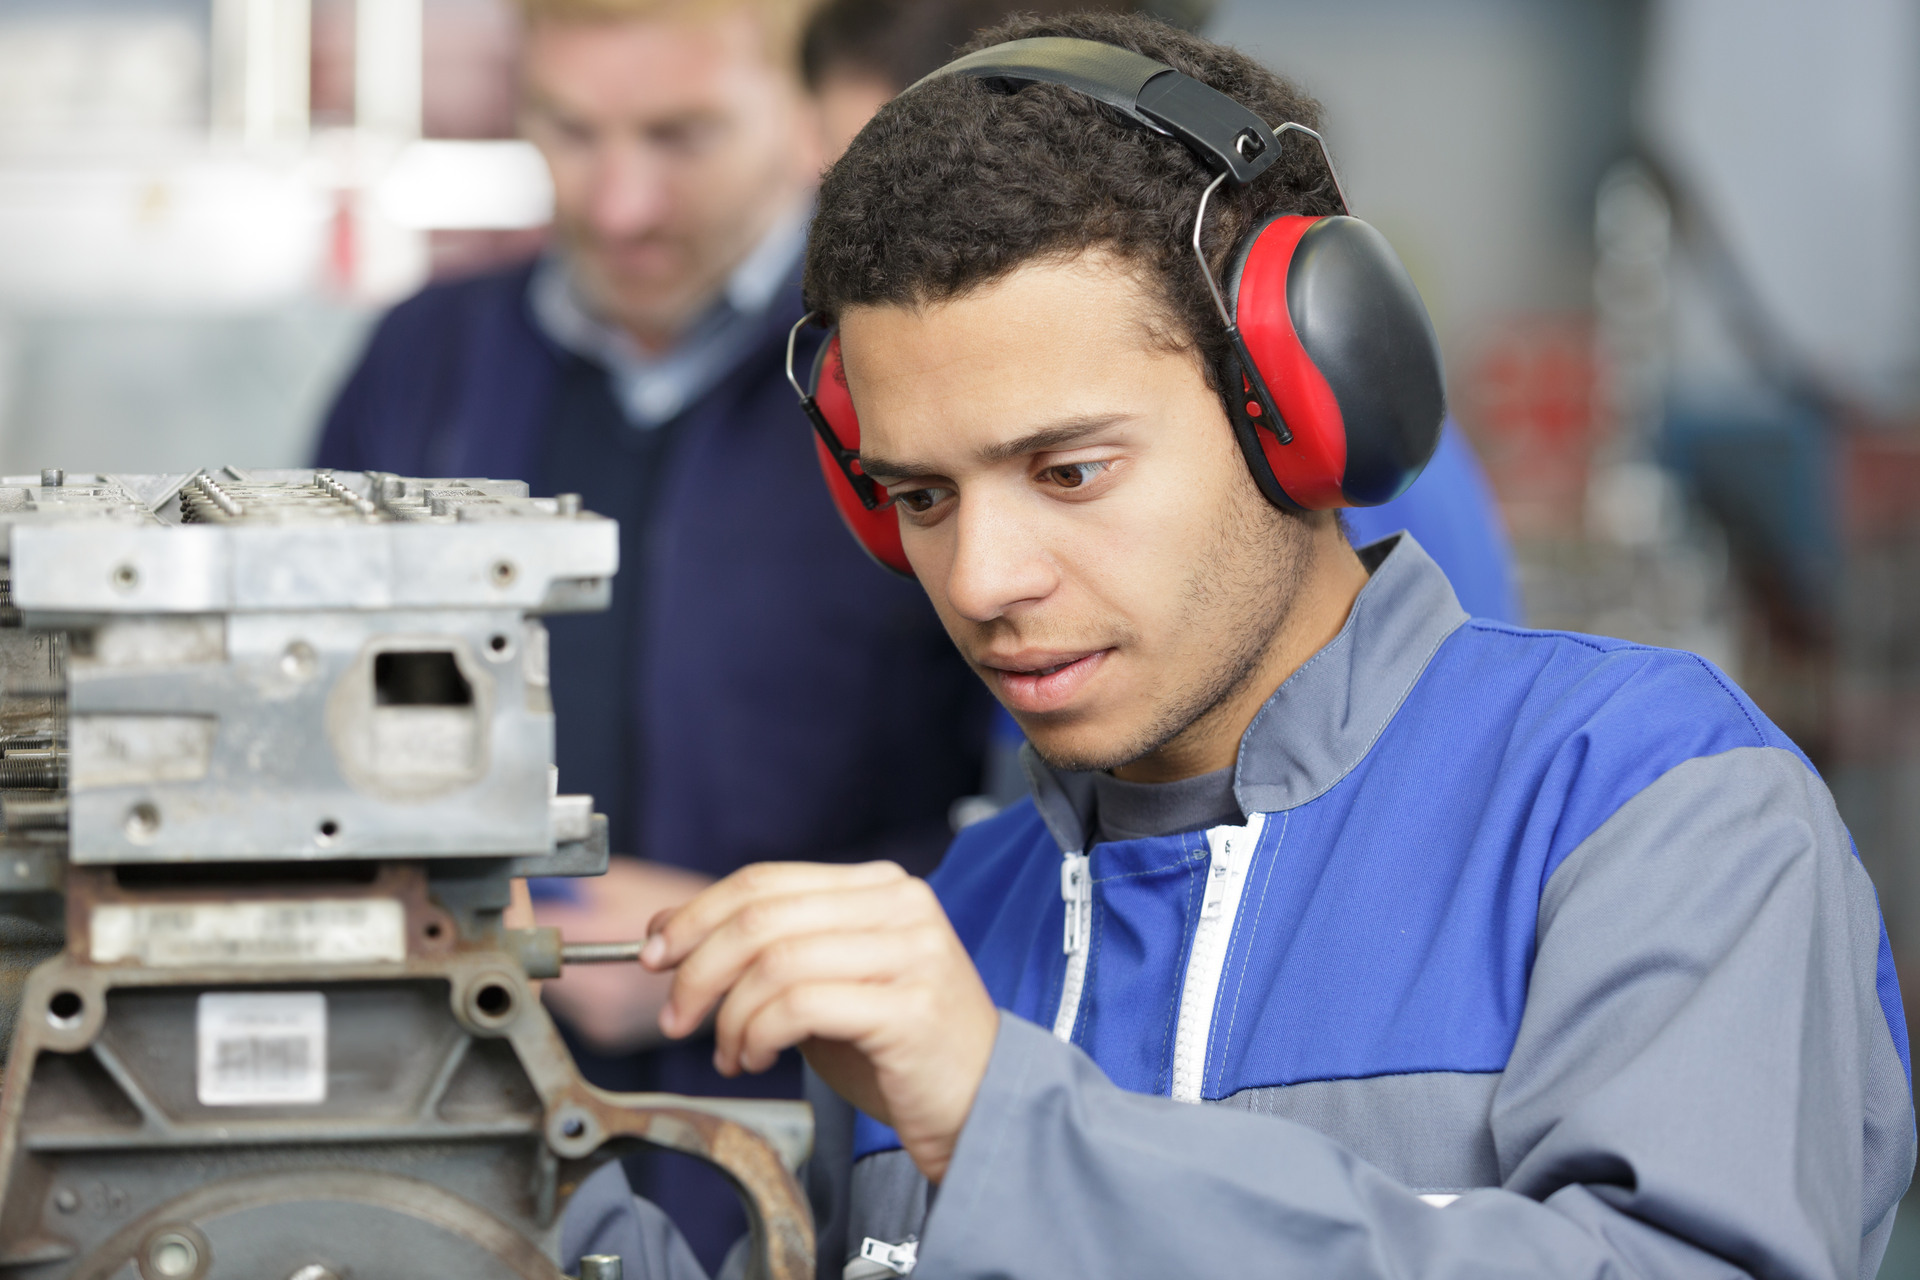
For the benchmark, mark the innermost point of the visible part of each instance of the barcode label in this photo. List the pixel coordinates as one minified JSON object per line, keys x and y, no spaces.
{"x":261,"y":1049}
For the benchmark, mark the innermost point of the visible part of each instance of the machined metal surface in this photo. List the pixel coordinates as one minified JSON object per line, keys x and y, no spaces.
{"x":273,"y":746}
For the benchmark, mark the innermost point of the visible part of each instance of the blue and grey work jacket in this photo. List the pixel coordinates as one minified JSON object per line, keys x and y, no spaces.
{"x":1537,"y":954}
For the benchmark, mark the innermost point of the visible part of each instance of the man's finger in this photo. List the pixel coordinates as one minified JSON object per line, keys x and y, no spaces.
{"x":676,"y":933}
{"x":842,"y":1011}
{"x":726,"y":951}
{"x":875,"y":955}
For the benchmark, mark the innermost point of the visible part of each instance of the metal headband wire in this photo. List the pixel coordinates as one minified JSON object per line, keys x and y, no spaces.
{"x":1200,"y":218}
{"x":1326,"y":157}
{"x":871,"y":495}
{"x":1200,"y":254}
{"x":793,"y":337}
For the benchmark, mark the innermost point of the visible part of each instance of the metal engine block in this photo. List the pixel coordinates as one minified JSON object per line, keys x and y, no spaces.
{"x":273,"y":746}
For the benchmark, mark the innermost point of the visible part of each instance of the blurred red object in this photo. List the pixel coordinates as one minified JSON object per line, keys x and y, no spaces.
{"x":1529,"y":399}
{"x":1880,"y":484}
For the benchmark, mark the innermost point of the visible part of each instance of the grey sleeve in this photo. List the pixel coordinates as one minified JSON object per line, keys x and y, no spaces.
{"x":828,"y":1173}
{"x":1703,"y":1085}
{"x":604,"y":1216}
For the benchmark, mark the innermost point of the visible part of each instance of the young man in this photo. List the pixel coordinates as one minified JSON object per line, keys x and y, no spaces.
{"x":1404,"y":944}
{"x":720,"y":712}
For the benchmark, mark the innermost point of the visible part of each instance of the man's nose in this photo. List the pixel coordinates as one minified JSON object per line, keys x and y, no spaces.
{"x":630,"y":194}
{"x":999,"y":560}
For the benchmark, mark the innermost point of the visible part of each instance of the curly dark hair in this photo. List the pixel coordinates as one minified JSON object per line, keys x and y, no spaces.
{"x":953,"y":185}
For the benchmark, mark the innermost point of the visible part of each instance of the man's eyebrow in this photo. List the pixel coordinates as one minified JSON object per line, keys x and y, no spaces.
{"x":1058,"y":436}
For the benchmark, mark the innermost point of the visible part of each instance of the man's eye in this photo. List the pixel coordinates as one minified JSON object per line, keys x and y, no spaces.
{"x":689,"y":137}
{"x":919,"y":500}
{"x":1071,"y":475}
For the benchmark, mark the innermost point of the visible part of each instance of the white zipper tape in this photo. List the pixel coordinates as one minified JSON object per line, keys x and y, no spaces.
{"x":1230,"y":856}
{"x":1076,"y":893}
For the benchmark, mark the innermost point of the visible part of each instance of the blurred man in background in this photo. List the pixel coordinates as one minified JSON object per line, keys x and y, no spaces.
{"x":758,"y":690}
{"x":857,"y":54}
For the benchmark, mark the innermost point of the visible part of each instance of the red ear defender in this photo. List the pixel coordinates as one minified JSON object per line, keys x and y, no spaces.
{"x":862,"y":504}
{"x":1338,"y":336}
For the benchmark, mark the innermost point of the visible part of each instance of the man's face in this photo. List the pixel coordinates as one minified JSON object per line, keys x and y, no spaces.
{"x":675,"y":143}
{"x":1073,"y":501}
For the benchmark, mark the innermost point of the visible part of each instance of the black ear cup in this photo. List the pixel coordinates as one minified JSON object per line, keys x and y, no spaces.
{"x":1340,"y":337}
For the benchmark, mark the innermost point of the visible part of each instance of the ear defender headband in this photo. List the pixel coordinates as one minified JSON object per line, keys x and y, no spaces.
{"x":1340,"y":397}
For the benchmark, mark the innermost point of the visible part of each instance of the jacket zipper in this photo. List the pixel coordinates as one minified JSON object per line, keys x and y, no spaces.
{"x":1076,"y":891}
{"x":1230,"y":856}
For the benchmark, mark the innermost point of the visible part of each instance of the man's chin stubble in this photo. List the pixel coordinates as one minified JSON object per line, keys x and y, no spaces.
{"x":1240,"y":664}
{"x":1210,"y":700}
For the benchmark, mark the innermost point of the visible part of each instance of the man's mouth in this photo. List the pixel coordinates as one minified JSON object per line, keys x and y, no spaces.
{"x":1041,"y":682}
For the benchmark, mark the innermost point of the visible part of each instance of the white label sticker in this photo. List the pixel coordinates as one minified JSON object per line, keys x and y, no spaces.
{"x":316,"y":931}
{"x":261,"y":1049}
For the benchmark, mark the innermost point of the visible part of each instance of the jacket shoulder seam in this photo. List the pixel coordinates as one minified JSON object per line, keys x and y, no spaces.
{"x":1588,"y":642}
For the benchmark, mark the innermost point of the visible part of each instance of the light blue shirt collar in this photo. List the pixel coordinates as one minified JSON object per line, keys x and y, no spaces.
{"x":653,"y":388}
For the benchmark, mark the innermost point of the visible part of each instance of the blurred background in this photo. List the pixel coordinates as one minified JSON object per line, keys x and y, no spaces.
{"x":1672,"y":247}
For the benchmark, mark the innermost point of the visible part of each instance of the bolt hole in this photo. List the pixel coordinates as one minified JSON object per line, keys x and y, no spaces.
{"x":502,"y":573}
{"x":433,"y":930}
{"x":573,"y":1127}
{"x":173,"y":1255}
{"x":65,"y":1008}
{"x":499,"y":643}
{"x":493,"y":1000}
{"x":125,"y":577}
{"x":328,"y":830}
{"x":299,"y":662}
{"x":143,"y":823}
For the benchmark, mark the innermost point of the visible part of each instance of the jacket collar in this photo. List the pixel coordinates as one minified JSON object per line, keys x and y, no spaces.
{"x":1326,"y":716}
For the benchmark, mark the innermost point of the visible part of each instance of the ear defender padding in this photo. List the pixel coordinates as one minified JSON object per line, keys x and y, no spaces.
{"x":837,"y":430}
{"x":1342,"y":341}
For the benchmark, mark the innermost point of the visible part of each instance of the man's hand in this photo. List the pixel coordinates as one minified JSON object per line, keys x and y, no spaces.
{"x":855,"y":964}
{"x":615,"y":1007}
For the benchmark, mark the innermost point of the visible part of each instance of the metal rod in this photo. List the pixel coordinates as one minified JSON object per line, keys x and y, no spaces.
{"x":216,"y":495}
{"x":601,"y":952}
{"x":329,"y":484}
{"x":33,"y":770}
